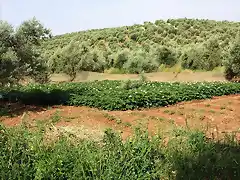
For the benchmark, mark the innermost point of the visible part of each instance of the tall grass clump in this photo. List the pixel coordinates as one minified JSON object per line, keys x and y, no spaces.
{"x":186,"y":155}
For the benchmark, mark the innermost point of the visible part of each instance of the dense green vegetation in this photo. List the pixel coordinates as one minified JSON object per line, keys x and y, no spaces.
{"x":196,"y":44}
{"x":186,"y":43}
{"x":188,"y":155}
{"x":118,"y":95}
{"x":232,"y":65}
{"x":20,"y":55}
{"x":193,"y":44}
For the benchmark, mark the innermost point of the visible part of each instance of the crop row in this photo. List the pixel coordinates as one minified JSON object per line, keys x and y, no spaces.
{"x":115,"y":95}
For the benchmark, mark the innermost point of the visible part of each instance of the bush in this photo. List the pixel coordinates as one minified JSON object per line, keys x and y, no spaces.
{"x":129,"y":84}
{"x":115,"y":71}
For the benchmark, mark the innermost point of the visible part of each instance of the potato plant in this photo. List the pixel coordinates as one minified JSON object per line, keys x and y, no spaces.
{"x":111,"y":95}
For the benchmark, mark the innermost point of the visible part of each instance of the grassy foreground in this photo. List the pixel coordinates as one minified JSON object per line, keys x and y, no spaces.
{"x":28,"y":154}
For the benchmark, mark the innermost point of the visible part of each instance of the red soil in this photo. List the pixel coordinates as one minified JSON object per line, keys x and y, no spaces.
{"x":216,"y":116}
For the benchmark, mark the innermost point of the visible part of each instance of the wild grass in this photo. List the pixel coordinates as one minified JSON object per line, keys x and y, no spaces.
{"x":25,"y":154}
{"x":112,"y":118}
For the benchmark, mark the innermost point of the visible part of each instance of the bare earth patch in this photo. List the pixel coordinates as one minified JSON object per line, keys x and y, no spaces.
{"x":216,"y":116}
{"x":156,"y":76}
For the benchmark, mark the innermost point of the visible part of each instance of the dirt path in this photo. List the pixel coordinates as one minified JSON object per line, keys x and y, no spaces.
{"x":156,"y":76}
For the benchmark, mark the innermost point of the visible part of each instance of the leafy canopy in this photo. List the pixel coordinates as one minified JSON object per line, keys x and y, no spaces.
{"x":19,"y":52}
{"x":232,"y":64}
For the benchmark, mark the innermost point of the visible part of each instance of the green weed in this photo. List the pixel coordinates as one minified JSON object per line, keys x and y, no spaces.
{"x":223,"y":107}
{"x":207,"y":105}
{"x":161,"y":119}
{"x":187,"y":154}
{"x":127,"y":124}
{"x":112,"y":118}
{"x":156,"y":118}
{"x":202,"y":117}
{"x":56,"y":117}
{"x":170,"y":112}
{"x":181,"y":113}
{"x":212,"y":111}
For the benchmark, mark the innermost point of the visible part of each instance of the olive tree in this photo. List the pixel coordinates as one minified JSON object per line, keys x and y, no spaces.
{"x":19,"y":52}
{"x":75,"y":58}
{"x":164,"y":55}
{"x":232,"y":63}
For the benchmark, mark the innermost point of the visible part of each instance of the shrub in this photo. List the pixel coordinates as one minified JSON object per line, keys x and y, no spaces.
{"x":115,"y":71}
{"x":130,"y":84}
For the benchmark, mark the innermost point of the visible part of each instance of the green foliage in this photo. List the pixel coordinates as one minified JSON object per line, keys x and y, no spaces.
{"x":75,"y":58}
{"x":97,"y":61}
{"x":113,"y":95}
{"x":202,"y":56}
{"x":70,"y":59}
{"x":195,"y":40}
{"x":121,"y":58}
{"x":115,"y":71}
{"x":232,"y":63}
{"x":19,"y":52}
{"x":143,"y":78}
{"x":187,"y":155}
{"x":140,"y":62}
{"x":213,"y":54}
{"x":129,"y":84}
{"x":55,"y":62}
{"x":193,"y":58}
{"x":164,"y":55}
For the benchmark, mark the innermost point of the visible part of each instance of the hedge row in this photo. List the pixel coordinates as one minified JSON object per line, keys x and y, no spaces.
{"x":118,"y":95}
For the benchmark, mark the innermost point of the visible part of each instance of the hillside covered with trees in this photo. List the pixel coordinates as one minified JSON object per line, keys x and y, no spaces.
{"x":195,"y":44}
{"x":30,"y":51}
